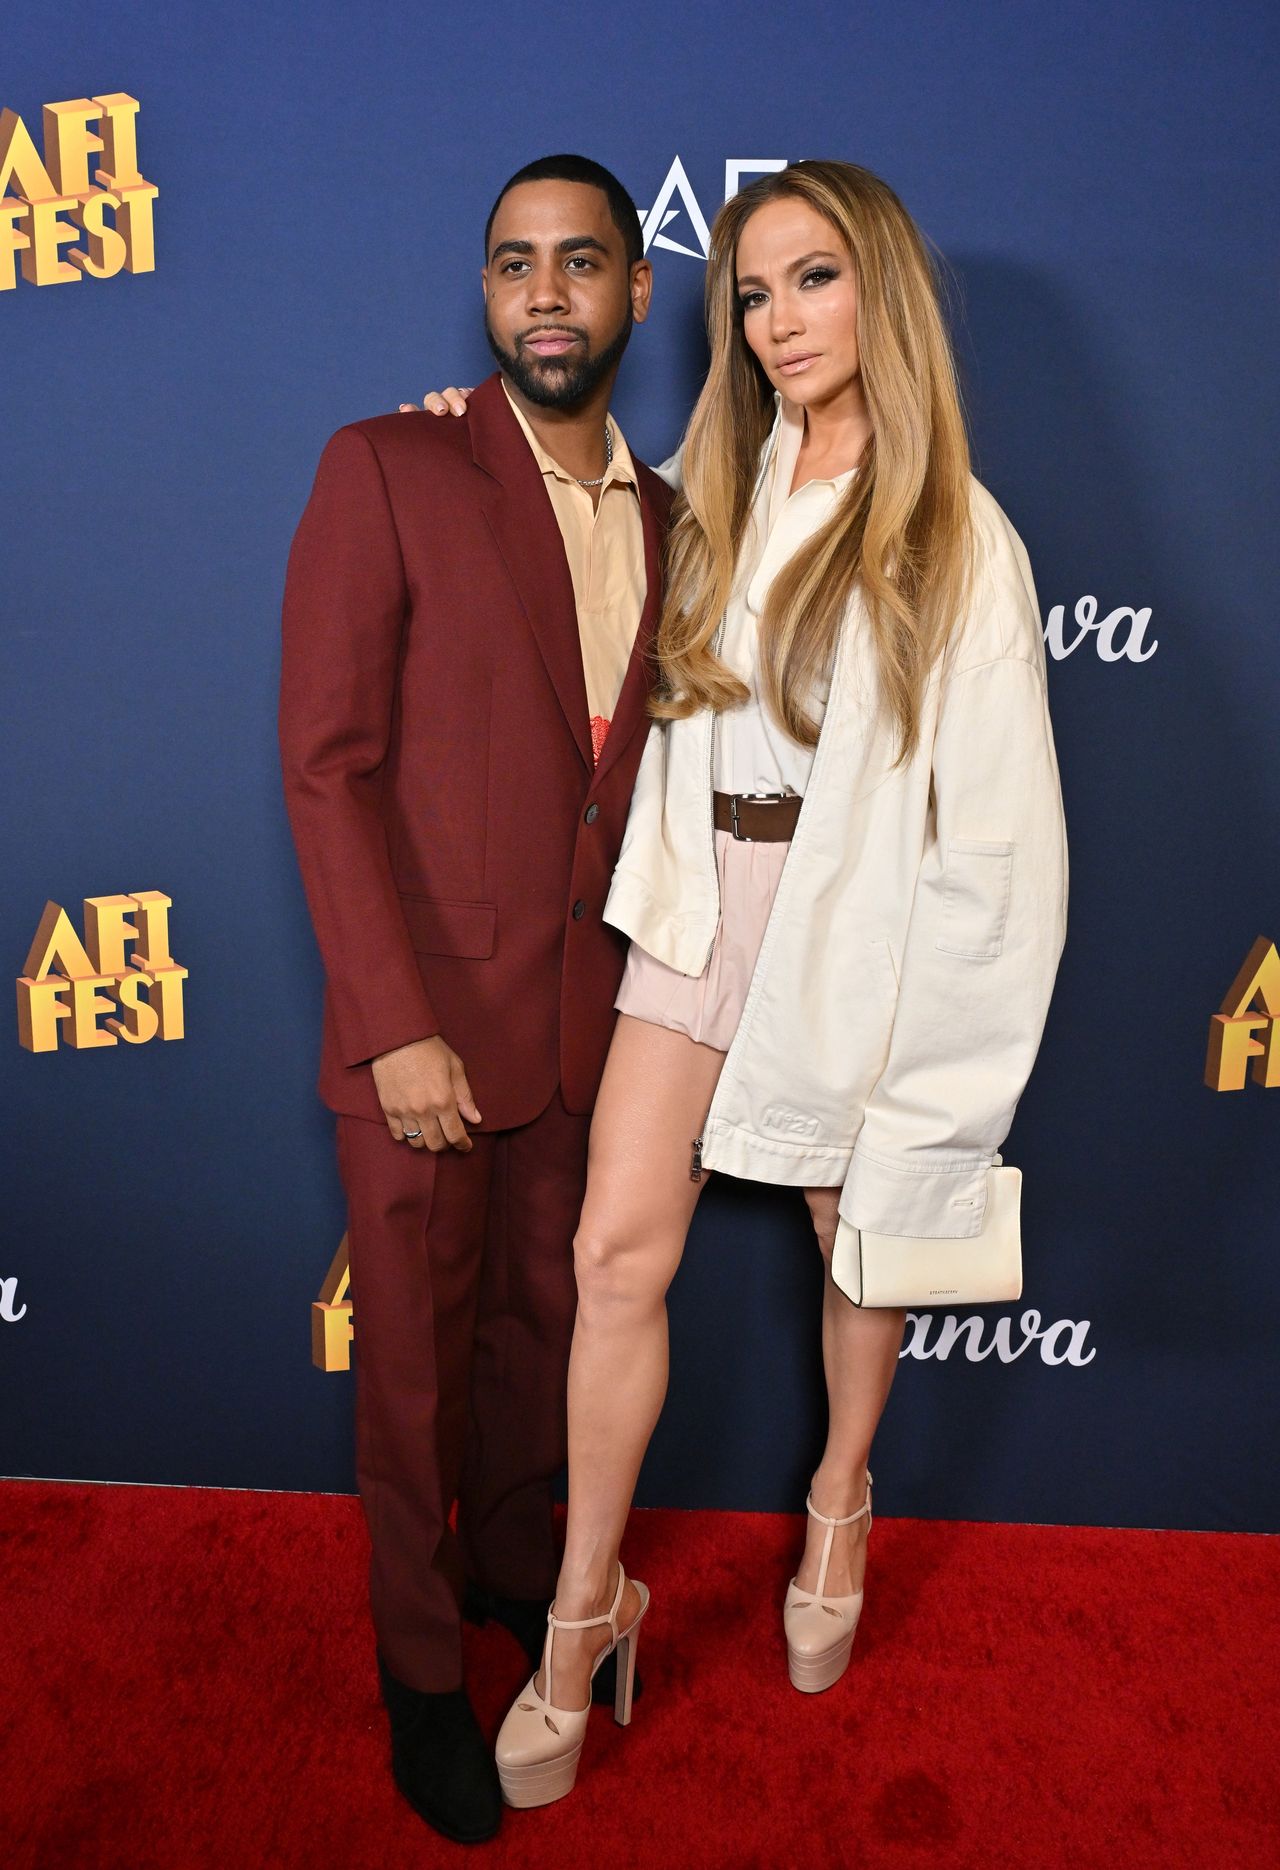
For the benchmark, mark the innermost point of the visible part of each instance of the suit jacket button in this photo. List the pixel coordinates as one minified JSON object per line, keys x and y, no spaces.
{"x":579,"y":910}
{"x":592,"y":813}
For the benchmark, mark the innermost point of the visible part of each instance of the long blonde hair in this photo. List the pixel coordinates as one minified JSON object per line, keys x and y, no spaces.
{"x":901,"y":526}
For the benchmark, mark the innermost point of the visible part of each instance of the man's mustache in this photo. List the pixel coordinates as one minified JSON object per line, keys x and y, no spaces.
{"x":552,"y":331}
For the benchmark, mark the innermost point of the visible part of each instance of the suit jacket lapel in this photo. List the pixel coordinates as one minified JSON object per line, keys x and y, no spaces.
{"x":638,"y":681}
{"x":523,"y":522}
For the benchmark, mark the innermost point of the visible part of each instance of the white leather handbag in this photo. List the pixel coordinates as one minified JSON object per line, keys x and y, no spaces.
{"x":898,"y":1269}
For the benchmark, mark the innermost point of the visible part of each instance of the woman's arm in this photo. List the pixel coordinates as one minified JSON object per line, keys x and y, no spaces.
{"x":987,"y":928}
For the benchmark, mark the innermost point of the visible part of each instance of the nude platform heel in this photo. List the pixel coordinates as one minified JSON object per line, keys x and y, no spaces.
{"x":820,"y":1630}
{"x":539,"y":1744}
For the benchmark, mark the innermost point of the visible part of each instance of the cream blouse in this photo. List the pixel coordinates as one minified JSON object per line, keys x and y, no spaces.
{"x":751,"y":752}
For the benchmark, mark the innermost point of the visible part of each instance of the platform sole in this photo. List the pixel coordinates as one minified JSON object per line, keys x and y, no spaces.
{"x":811,"y":1674}
{"x":540,"y":1783}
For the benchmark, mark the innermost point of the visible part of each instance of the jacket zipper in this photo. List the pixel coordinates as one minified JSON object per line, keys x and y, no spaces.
{"x":695,"y":1172}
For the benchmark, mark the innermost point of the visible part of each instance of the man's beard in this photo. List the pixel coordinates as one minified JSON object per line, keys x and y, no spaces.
{"x":557,"y":382}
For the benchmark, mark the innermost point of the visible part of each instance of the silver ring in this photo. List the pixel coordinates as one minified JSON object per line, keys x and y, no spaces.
{"x":412,"y":1133}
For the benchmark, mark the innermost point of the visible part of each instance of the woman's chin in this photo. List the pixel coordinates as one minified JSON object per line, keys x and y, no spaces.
{"x":806,"y":387}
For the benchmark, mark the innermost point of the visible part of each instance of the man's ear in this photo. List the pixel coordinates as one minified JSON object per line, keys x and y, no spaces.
{"x":484,"y":281}
{"x":641,"y":290}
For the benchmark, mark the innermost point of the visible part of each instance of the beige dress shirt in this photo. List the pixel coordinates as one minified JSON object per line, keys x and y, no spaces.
{"x":604,"y":545}
{"x":752,"y":753}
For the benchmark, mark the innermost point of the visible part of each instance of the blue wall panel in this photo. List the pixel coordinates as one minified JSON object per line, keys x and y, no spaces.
{"x":1104,"y":187}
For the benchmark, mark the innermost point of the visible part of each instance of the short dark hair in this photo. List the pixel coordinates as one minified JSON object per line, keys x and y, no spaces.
{"x":622,"y":210}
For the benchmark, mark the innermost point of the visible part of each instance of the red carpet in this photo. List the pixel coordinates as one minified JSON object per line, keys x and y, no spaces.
{"x":188,"y":1681}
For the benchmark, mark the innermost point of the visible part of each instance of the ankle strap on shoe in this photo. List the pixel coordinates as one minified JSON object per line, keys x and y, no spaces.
{"x":555,"y":1623}
{"x":849,"y":1518}
{"x":828,"y":1538}
{"x":587,"y":1623}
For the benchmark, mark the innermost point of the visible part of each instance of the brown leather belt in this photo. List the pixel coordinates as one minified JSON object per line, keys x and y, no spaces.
{"x":757,"y":817}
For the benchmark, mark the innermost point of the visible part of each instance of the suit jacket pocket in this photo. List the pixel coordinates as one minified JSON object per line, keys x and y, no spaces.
{"x":439,"y":927}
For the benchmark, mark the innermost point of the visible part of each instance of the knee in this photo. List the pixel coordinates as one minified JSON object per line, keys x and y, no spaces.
{"x":613,"y":1271}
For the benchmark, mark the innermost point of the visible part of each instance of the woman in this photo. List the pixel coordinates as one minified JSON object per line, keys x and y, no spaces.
{"x":844,"y":877}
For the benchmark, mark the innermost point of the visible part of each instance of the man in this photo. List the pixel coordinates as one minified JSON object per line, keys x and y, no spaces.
{"x":466,"y":614}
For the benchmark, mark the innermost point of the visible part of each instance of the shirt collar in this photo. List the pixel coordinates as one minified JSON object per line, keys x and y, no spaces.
{"x":621,"y":468}
{"x":788,"y":434}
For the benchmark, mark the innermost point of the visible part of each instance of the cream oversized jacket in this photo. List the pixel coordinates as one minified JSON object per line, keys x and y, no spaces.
{"x":901,"y":990}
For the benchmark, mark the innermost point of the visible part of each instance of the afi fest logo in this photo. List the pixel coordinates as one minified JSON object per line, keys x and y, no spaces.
{"x":332,"y":1322}
{"x":1118,"y":636}
{"x":1244,"y":1034}
{"x":48,"y":202}
{"x":68,"y":985}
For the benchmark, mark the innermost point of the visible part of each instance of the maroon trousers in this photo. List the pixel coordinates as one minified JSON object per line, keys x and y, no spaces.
{"x":463,"y":1300}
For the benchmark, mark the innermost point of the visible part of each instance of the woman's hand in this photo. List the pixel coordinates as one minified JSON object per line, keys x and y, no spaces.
{"x":450,"y":402}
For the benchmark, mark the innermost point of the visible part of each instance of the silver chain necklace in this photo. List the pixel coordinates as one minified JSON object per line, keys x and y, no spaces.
{"x":608,"y":462}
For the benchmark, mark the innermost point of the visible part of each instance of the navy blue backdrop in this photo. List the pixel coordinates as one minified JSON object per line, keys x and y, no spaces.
{"x":1104,"y":187}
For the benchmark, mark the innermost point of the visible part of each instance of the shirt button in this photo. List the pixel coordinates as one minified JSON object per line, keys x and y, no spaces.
{"x":579,"y":910}
{"x":592,"y":813}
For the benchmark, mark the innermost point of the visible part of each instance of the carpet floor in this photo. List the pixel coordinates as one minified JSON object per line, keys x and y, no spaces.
{"x":187,"y":1680}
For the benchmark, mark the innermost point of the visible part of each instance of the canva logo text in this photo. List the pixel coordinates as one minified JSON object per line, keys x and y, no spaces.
{"x":1060,"y":1343}
{"x":1119,"y":636}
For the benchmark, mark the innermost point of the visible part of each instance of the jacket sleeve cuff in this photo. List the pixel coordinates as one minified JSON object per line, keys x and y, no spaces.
{"x":391,"y":1042}
{"x":929,"y":1204}
{"x":368,"y":1029}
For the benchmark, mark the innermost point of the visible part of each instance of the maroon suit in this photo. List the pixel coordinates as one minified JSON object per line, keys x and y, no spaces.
{"x":456,"y":846}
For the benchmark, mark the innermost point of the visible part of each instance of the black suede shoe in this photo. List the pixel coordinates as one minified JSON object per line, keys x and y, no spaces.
{"x":441,"y":1761}
{"x":526,"y":1618}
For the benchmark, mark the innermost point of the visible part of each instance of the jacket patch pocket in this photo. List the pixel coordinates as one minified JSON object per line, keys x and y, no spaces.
{"x":975,"y":905}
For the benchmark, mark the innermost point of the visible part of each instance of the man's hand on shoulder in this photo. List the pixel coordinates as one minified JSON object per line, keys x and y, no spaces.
{"x":424,"y":1094}
{"x":450,"y":402}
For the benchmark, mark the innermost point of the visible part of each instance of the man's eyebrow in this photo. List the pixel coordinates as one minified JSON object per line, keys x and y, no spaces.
{"x":573,"y":243}
{"x":806,"y":259}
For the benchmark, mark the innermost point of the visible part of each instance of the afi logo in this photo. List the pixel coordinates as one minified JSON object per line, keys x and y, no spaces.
{"x":47,"y":203}
{"x":1233,"y":1047}
{"x":10,"y":1310}
{"x":676,"y":197}
{"x":68,"y":984}
{"x":332,"y":1320}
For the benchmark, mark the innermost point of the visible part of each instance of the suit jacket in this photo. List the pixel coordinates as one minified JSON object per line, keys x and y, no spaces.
{"x":455,"y":841}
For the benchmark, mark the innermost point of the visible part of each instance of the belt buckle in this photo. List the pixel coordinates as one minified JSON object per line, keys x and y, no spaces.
{"x":753,"y":798}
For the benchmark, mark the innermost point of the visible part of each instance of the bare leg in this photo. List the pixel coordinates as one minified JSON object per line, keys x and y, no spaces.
{"x":655,"y":1094}
{"x":860,"y":1355}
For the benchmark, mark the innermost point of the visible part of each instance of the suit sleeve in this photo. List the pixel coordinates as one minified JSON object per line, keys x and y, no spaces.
{"x":345,"y":605}
{"x":987,"y":929}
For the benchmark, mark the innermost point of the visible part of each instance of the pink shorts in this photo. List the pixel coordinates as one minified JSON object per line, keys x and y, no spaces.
{"x":708,"y":1007}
